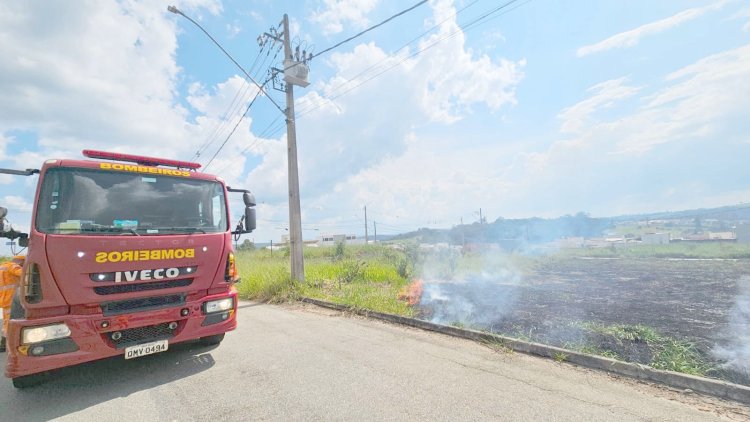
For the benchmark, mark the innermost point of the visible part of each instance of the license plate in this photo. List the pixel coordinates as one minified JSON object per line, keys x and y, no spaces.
{"x":146,"y":349}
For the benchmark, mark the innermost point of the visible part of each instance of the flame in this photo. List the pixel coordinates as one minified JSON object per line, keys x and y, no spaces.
{"x":412,"y":293}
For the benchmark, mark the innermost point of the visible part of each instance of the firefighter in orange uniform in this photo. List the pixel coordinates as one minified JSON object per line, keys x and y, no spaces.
{"x":10,"y":274}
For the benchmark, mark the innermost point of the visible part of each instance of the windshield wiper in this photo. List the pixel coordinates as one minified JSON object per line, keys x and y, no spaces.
{"x":109,"y":229}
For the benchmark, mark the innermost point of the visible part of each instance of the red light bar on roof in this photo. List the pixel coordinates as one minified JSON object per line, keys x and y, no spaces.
{"x":144,"y":161}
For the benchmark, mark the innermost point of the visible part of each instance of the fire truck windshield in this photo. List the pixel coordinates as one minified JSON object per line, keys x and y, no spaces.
{"x":94,"y":202}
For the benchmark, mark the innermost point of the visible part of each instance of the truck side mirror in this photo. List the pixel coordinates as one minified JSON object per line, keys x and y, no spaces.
{"x":250,"y":223}
{"x":249,"y":199}
{"x":23,"y":241}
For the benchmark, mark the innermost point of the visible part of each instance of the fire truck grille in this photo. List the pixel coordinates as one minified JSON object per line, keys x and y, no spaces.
{"x":134,"y":336}
{"x":142,"y":304}
{"x":139,"y":287}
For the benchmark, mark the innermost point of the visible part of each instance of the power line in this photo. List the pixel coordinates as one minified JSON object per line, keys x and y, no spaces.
{"x":243,"y":116}
{"x":466,"y":27}
{"x":272,"y":130}
{"x":371,"y":28}
{"x":233,"y":130}
{"x":418,"y":37}
{"x":230,"y":111}
{"x":260,"y":87}
{"x":483,"y":18}
{"x":235,"y":105}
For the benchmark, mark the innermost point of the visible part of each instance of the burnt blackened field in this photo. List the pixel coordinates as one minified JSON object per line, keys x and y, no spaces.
{"x":687,"y":315}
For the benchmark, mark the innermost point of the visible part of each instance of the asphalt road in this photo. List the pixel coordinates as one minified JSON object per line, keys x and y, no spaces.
{"x":297,"y":362}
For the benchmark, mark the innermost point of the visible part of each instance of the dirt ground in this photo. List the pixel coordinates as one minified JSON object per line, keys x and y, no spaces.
{"x":690,"y":300}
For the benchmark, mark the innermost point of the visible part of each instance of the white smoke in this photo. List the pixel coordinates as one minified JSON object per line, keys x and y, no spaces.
{"x":474,"y":298}
{"x":736,"y":353}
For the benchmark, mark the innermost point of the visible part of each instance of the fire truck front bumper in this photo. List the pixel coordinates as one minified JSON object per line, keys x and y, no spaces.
{"x":44,"y":344}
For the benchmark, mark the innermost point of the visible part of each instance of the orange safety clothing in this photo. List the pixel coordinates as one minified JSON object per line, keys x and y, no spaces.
{"x":10,"y":276}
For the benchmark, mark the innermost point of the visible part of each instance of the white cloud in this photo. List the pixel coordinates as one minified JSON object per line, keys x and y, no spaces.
{"x":213,"y":7}
{"x":357,"y":139}
{"x":94,"y":75}
{"x":605,"y":95}
{"x":680,"y":146}
{"x":233,"y":29}
{"x":632,"y":37}
{"x":742,"y":14}
{"x":337,"y":13}
{"x":703,"y":94}
{"x":340,"y":135}
{"x":16,"y":204}
{"x":624,"y":149}
{"x":454,"y":79}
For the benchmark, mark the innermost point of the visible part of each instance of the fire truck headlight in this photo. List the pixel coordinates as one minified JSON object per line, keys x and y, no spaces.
{"x":32,"y":335}
{"x":220,"y":305}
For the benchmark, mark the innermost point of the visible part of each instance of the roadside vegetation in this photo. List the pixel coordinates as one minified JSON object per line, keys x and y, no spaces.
{"x":361,"y":277}
{"x":640,"y":344}
{"x":672,"y":250}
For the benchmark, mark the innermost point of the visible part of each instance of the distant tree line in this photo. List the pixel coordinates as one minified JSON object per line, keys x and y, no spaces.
{"x":514,"y":231}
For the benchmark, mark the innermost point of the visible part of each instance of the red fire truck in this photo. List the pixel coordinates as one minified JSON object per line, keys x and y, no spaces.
{"x":127,"y":255}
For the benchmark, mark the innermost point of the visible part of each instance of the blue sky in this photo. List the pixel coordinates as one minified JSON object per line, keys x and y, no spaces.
{"x":548,"y":108}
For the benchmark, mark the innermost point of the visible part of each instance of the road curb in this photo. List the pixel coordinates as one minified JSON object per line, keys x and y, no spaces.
{"x":722,"y":389}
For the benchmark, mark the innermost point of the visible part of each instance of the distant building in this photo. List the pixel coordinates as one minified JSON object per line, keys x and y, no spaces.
{"x":709,"y":237}
{"x":333,"y":239}
{"x":655,"y":238}
{"x":611,"y":242}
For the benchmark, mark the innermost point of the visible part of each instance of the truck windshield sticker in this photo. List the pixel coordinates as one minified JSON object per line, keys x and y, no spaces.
{"x":126,"y":224}
{"x":144,"y":255}
{"x":143,"y":169}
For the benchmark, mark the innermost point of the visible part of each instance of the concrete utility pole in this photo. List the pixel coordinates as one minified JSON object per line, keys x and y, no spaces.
{"x":295,"y":73}
{"x":295,"y":215}
{"x":463,"y":239}
{"x":366,"y":238}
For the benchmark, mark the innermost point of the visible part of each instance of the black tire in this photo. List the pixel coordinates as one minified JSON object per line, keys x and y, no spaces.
{"x":212,"y":340}
{"x":28,"y":380}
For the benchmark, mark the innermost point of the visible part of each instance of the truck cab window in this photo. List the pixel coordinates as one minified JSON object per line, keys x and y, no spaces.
{"x":91,"y":202}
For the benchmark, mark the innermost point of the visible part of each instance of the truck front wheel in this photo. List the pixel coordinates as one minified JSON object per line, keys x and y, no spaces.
{"x":28,"y":380}
{"x":212,"y":340}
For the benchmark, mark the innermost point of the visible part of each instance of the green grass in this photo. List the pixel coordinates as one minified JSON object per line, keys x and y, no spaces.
{"x":679,"y":356}
{"x":360,"y":277}
{"x":265,"y":277}
{"x":620,"y":332}
{"x":668,"y":353}
{"x":560,"y":357}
